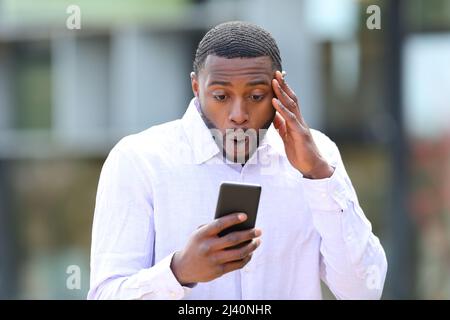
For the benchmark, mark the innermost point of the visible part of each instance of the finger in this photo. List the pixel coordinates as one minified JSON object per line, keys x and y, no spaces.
{"x":225,"y":256}
{"x":235,"y":265}
{"x":284,"y":97}
{"x":235,"y":238}
{"x":282,"y":80}
{"x":280,"y":124}
{"x":221,"y":224}
{"x":288,"y":116}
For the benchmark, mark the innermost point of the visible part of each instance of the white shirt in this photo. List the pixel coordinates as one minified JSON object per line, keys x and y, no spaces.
{"x":156,"y":187}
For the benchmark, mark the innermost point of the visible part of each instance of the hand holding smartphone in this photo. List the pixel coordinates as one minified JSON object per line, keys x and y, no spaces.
{"x":207,"y":257}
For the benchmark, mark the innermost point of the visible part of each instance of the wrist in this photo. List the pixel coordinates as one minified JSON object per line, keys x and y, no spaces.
{"x":321,"y":170}
{"x":175,"y":266}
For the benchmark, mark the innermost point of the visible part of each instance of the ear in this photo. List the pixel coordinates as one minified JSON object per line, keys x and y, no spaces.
{"x":194,"y":83}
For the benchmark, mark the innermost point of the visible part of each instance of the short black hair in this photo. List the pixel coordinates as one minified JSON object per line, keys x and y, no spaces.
{"x":237,"y":39}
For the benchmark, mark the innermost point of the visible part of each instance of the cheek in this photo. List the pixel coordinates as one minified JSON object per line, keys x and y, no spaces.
{"x":215,"y":112}
{"x":264,"y":113}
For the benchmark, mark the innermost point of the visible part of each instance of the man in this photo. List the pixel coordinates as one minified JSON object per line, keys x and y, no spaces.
{"x":154,"y":236}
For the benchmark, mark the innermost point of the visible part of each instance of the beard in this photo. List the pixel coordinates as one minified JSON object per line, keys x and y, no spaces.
{"x":237,"y":145}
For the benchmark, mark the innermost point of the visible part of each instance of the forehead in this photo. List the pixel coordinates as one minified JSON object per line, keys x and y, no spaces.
{"x":234,"y":69}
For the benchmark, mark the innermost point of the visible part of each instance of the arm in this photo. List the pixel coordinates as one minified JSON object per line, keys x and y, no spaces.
{"x":353,"y":262}
{"x":123,"y":237}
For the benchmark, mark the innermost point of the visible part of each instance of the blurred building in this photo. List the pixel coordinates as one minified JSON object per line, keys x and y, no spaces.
{"x":67,"y":96}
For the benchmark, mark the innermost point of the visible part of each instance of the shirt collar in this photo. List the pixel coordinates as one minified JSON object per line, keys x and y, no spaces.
{"x":202,"y":141}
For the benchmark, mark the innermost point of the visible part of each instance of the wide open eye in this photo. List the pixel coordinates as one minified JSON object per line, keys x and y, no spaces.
{"x":256,"y":97}
{"x":220,"y":97}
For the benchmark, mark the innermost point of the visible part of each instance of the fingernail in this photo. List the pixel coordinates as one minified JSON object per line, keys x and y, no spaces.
{"x":258,"y":232}
{"x":242,"y":216}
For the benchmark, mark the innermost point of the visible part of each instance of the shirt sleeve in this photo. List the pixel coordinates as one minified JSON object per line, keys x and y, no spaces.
{"x":122,"y":251}
{"x":353,"y":263}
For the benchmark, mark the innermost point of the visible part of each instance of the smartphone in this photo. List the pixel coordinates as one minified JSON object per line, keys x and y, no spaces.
{"x":238,"y":197}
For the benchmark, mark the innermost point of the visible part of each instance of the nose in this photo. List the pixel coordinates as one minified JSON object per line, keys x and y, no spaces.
{"x":238,"y":114}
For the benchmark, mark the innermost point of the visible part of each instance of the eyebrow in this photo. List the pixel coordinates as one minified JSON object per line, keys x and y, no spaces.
{"x":219,"y":83}
{"x":248,"y":84}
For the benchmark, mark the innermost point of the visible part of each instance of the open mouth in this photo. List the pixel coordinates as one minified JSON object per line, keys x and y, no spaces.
{"x":240,"y":139}
{"x":237,"y":137}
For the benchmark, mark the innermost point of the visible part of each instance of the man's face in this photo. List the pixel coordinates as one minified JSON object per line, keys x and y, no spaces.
{"x":235,"y":95}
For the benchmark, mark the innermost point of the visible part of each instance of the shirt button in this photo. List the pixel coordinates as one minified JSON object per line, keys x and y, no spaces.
{"x":246,"y":269}
{"x":173,"y":294}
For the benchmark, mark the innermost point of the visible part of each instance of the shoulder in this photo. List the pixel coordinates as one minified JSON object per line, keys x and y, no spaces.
{"x":154,"y":140}
{"x":327,"y":147}
{"x":321,"y":139}
{"x":149,"y":149}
